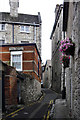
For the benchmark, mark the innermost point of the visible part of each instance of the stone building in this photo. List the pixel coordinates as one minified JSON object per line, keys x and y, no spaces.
{"x":70,"y":23}
{"x":20,"y":47}
{"x":20,"y":28}
{"x":56,"y":37}
{"x":71,"y":28}
{"x":47,"y":75}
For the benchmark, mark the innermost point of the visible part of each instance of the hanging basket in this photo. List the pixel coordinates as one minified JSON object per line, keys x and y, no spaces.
{"x":66,"y":63}
{"x":65,"y":60}
{"x":70,"y":50}
{"x":67,"y":46}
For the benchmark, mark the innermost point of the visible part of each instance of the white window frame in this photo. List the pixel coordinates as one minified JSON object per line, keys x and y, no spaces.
{"x":1,"y":27}
{"x":16,"y":53}
{"x":24,"y":29}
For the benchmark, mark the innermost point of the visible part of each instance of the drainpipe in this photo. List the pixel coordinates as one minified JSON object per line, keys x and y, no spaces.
{"x":38,"y":66}
{"x":3,"y":91}
{"x":64,"y":88}
{"x":13,"y":33}
{"x":34,"y":33}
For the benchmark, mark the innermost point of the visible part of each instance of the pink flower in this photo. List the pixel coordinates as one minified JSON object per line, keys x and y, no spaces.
{"x":61,"y":42}
{"x":64,"y":49}
{"x":67,"y":39}
{"x":68,"y":43}
{"x":65,"y":44}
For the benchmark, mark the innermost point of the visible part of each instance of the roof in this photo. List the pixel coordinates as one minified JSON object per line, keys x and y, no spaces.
{"x":22,"y":18}
{"x":4,"y":65}
{"x":56,"y":20}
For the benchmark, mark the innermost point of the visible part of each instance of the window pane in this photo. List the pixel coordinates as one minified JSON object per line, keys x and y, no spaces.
{"x":22,"y":28}
{"x":18,"y":65}
{"x":16,"y":61}
{"x":2,"y":42}
{"x":19,"y":58}
{"x":27,"y":28}
{"x":3,"y":26}
{"x":13,"y":58}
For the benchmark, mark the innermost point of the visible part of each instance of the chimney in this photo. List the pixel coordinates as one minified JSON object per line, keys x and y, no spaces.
{"x":56,"y":9}
{"x":14,"y":4}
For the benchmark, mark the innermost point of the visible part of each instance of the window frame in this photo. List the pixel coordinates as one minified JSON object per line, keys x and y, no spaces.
{"x":24,"y":29}
{"x":16,"y":53}
{"x":1,"y":24}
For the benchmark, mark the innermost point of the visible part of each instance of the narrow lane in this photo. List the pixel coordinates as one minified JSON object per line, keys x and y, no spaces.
{"x":39,"y":110}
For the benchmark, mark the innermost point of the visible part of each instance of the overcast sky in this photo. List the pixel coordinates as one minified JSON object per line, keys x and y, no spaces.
{"x":46,"y":9}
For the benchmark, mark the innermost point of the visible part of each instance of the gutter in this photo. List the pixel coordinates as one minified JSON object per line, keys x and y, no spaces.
{"x":20,"y":23}
{"x":13,"y":33}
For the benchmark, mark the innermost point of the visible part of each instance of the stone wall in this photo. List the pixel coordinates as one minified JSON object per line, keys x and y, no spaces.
{"x":76,"y":74}
{"x":73,"y":72}
{"x":68,"y":81}
{"x":47,"y":75}
{"x":56,"y":66}
{"x":34,"y":35}
{"x":30,"y":89}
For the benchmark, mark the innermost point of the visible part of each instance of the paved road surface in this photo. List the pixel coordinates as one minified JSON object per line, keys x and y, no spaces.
{"x":38,"y":111}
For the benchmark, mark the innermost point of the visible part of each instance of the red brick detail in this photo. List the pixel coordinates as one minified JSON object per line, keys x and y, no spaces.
{"x":27,"y":65}
{"x":10,"y":81}
{"x":29,"y":48}
{"x":28,"y":56}
{"x":5,"y":57}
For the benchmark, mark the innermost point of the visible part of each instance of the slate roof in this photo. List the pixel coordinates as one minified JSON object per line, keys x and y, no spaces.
{"x":22,"y":18}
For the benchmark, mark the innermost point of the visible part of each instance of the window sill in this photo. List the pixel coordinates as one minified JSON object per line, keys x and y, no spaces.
{"x":25,"y":32}
{"x":19,"y":70}
{"x":2,"y":30}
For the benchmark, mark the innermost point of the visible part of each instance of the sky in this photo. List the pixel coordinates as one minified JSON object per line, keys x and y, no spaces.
{"x":47,"y":11}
